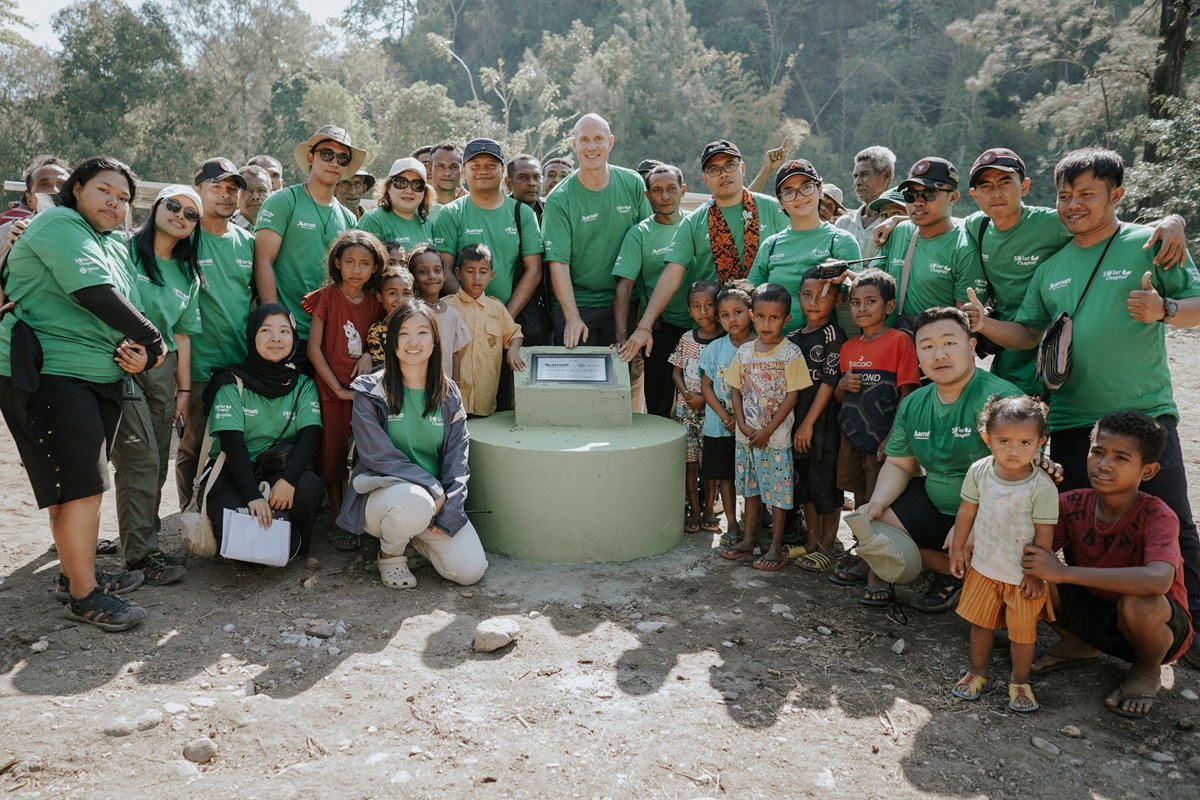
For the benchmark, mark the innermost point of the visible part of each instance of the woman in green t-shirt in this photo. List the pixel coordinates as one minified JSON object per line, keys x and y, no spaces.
{"x":75,"y":328}
{"x":402,"y":213}
{"x":410,"y":484}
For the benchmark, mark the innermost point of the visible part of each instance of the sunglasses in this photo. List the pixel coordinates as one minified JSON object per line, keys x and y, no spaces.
{"x":343,"y":159}
{"x":400,"y":182}
{"x":928,"y":195}
{"x":791,"y":193}
{"x":174,"y":206}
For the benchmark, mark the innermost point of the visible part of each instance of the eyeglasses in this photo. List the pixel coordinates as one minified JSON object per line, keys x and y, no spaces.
{"x":174,"y":206}
{"x":717,"y":170}
{"x":791,"y":193}
{"x":400,"y":182}
{"x":343,"y":159}
{"x":928,"y":195}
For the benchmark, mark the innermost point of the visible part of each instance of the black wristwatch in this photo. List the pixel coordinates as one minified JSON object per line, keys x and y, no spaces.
{"x":1170,"y":309}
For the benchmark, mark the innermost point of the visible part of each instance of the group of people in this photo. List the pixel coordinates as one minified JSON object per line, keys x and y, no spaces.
{"x":274,"y":325}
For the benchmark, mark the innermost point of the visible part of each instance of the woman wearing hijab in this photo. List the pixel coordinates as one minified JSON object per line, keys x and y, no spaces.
{"x":257,"y":408}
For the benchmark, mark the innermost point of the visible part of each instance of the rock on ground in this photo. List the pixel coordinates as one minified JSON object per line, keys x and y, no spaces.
{"x":492,"y":634}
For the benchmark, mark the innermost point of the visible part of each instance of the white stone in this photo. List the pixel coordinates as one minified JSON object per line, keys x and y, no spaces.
{"x":534,"y":614}
{"x":334,"y":651}
{"x":1162,"y":758}
{"x":780,"y":608}
{"x":185,"y":769}
{"x":174,"y":708}
{"x":824,"y":631}
{"x":1071,"y":732}
{"x":652,"y":627}
{"x":121,"y":726}
{"x":1188,"y":694}
{"x":228,"y":628}
{"x":203,"y":702}
{"x":1046,"y":747}
{"x":200,"y":751}
{"x":898,"y":646}
{"x":800,"y":640}
{"x":492,"y":634}
{"x":40,"y":646}
{"x":726,"y":644}
{"x":149,"y":719}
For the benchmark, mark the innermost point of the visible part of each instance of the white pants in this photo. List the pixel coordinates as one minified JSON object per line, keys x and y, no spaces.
{"x":399,"y":515}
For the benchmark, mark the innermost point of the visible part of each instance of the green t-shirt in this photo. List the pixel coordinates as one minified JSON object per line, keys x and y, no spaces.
{"x":263,"y":421}
{"x":786,"y":256}
{"x":641,"y":261}
{"x":461,"y":223}
{"x":227,"y":264}
{"x":943,"y":268}
{"x":391,"y":227}
{"x":57,"y":255}
{"x":307,"y":230}
{"x":173,"y":307}
{"x":585,"y":229}
{"x":693,"y":250}
{"x":420,"y":438}
{"x":1010,"y":258}
{"x":1117,"y":362}
{"x":945,"y":438}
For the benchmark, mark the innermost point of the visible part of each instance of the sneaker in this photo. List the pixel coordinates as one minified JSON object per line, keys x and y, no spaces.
{"x":158,"y":569}
{"x":106,"y":611}
{"x":112,"y":583}
{"x":941,"y":595}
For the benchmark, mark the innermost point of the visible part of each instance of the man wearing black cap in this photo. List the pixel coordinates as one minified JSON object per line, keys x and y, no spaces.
{"x":225,"y":256}
{"x":297,"y":224}
{"x":584,"y":223}
{"x":717,"y":242}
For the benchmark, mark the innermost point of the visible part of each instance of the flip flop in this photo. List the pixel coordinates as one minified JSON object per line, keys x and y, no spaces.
{"x":854,"y":575}
{"x":1125,"y":697}
{"x":783,"y":562}
{"x":106,"y":547}
{"x":732,"y":554}
{"x":876,"y":602}
{"x":710,"y":524}
{"x":1064,"y":662}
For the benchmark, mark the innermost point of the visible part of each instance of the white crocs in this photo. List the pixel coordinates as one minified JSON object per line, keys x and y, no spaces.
{"x":394,"y":573}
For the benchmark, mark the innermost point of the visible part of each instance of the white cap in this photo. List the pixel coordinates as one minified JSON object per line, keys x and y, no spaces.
{"x":407,"y":165}
{"x":179,"y":190}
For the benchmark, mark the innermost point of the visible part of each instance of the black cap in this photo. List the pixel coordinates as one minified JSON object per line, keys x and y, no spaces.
{"x":647,"y":165}
{"x":1000,"y":158}
{"x":218,"y":169}
{"x":719,"y":147}
{"x":483,"y":147}
{"x":932,"y":173}
{"x":798,"y":166}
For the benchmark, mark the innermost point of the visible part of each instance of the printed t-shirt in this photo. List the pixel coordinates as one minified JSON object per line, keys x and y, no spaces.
{"x":418,"y":437}
{"x":263,"y":421}
{"x":886,"y":363}
{"x":943,"y":268}
{"x":173,"y":307}
{"x":57,"y":255}
{"x":307,"y":230}
{"x":691,"y":247}
{"x":462,"y":223}
{"x":1118,"y":363}
{"x":1007,"y":512}
{"x":344,"y":334}
{"x":227,"y":264}
{"x":764,"y":380}
{"x":391,"y":227}
{"x":822,"y":349}
{"x":585,"y":229}
{"x":641,"y":261}
{"x":786,"y":256}
{"x":714,"y":362}
{"x":944,"y":438}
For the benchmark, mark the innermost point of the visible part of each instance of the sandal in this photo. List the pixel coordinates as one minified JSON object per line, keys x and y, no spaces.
{"x":816,"y":562}
{"x":691,"y":526}
{"x":942,"y":595}
{"x":853,"y":575}
{"x":734,"y":553}
{"x":114,"y":583}
{"x":731,"y":538}
{"x":711,"y":524}
{"x":1021,"y":690}
{"x":972,"y":687}
{"x":106,"y":611}
{"x":394,"y":573}
{"x":796,"y":551}
{"x":344,"y":540}
{"x":765,"y":564}
{"x":104,"y":547}
{"x":876,"y":598}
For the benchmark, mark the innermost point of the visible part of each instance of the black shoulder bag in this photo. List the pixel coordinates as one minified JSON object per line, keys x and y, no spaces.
{"x":534,"y":318}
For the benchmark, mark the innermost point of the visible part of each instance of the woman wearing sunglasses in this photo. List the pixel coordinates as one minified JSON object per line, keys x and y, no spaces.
{"x":402,"y":213}
{"x":163,"y":252}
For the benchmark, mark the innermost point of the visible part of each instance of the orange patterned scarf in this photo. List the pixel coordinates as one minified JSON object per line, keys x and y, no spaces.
{"x":724,"y":248}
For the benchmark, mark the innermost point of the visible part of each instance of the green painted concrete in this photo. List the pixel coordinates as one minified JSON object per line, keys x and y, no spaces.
{"x":573,"y":494}
{"x":559,"y":404}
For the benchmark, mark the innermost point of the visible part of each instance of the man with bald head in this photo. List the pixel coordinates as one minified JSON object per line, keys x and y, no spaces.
{"x":583,"y":225}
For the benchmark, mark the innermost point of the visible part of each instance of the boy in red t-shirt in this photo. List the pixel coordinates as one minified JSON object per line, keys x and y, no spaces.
{"x":1121,"y":590}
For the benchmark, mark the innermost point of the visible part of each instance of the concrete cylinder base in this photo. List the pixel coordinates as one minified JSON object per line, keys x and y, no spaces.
{"x":572,"y":495}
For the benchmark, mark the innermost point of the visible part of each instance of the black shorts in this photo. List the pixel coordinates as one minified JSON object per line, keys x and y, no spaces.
{"x":1094,"y":620}
{"x":64,"y":432}
{"x":921,"y":518}
{"x":717,"y":459}
{"x":816,"y":482}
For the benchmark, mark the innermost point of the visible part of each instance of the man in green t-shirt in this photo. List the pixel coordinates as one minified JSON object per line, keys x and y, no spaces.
{"x":297,"y":225}
{"x":583,"y":225}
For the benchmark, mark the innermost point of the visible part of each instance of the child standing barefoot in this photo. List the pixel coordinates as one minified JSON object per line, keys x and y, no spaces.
{"x":430,"y":276}
{"x":342,"y":312}
{"x":689,"y":402}
{"x":733,"y":311}
{"x":1007,"y":503}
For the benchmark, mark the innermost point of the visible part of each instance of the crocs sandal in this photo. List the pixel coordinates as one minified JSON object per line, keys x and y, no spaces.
{"x":1021,"y":690}
{"x":114,"y":583}
{"x":106,"y":611}
{"x":816,"y":562}
{"x":394,"y":573}
{"x":972,"y":687}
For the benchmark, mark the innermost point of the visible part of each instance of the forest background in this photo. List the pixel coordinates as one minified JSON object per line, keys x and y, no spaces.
{"x":165,"y":84}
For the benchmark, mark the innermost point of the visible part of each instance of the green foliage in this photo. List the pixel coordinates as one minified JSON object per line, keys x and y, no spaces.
{"x":1157,"y":189}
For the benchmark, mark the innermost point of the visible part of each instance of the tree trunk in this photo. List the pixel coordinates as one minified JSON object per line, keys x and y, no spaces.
{"x":1173,"y":44}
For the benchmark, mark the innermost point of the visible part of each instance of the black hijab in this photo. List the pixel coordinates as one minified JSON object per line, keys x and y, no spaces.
{"x":269,"y":379}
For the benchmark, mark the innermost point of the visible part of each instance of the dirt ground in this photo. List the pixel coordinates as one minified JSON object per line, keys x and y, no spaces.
{"x":680,"y":676}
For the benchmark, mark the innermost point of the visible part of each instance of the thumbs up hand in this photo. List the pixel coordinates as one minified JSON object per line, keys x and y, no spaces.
{"x":850,"y":382}
{"x":973,"y":308}
{"x":1146,"y":304}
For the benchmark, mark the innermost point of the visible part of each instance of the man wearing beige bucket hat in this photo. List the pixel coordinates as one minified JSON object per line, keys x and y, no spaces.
{"x":296,"y":225}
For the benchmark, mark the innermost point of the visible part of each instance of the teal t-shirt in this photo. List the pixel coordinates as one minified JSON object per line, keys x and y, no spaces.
{"x":57,"y":255}
{"x":1118,"y":363}
{"x":307,"y":230}
{"x":227,"y":264}
{"x":641,"y":261}
{"x":585,"y":229}
{"x":173,"y":307}
{"x":945,"y":438}
{"x":461,"y":223}
{"x":943,"y":268}
{"x":263,"y":421}
{"x":692,"y":247}
{"x":786,"y":256}
{"x":420,"y":438}
{"x":391,"y":227}
{"x":1009,"y":259}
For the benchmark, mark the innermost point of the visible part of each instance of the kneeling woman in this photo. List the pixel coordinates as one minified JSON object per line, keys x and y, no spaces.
{"x":255,"y":422}
{"x":410,"y":483}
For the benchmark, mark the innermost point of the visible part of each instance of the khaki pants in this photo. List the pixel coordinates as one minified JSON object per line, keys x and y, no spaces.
{"x":399,"y":515}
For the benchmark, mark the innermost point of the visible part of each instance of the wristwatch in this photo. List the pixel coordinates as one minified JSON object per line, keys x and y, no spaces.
{"x":1170,"y":309}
